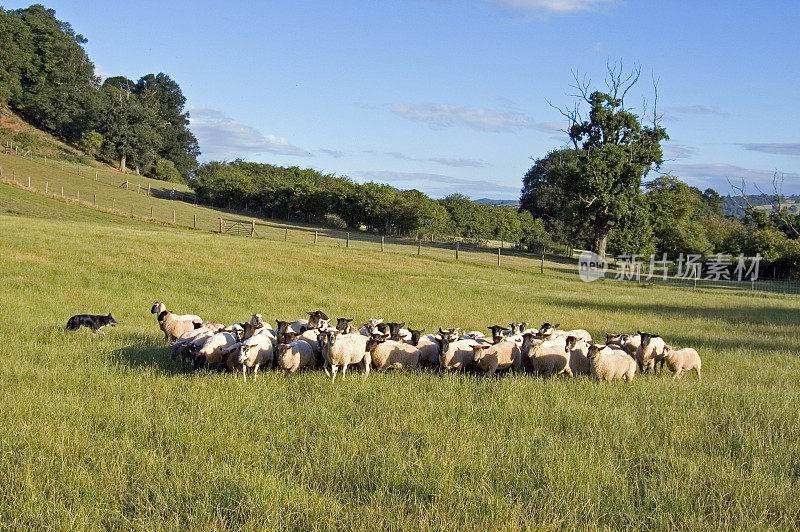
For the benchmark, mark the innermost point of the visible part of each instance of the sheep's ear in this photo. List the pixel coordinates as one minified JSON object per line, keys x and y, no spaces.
{"x":556,"y":326}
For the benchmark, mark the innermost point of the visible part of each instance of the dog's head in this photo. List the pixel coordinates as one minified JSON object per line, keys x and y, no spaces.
{"x":109,"y":320}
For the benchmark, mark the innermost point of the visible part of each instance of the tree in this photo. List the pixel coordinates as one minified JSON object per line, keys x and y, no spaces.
{"x":676,"y":211}
{"x":614,"y":152}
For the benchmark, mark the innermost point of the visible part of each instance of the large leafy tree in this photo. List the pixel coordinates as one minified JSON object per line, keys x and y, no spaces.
{"x":179,"y":145}
{"x":614,"y":152}
{"x":57,"y":81}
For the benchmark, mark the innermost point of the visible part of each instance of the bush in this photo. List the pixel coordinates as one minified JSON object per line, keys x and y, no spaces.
{"x":165,"y":171}
{"x":334,"y":221}
{"x":90,"y":142}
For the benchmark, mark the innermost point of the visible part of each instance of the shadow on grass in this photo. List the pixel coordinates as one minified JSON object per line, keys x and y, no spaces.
{"x":144,"y":351}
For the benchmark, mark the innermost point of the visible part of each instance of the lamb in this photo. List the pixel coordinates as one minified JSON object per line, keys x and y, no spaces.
{"x":650,"y":352}
{"x":454,"y":354}
{"x":174,"y":325}
{"x":342,"y":350}
{"x":549,"y":357}
{"x":390,"y":354}
{"x":680,"y":361}
{"x":504,"y":355}
{"x":253,"y":352}
{"x":294,"y":356}
{"x":577,"y":349}
{"x":608,"y":364}
{"x":428,"y":348}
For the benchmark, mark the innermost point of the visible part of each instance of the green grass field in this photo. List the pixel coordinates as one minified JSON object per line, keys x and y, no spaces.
{"x":110,"y":433}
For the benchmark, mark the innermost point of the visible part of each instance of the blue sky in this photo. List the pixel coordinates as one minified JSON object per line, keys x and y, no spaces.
{"x":452,"y":95}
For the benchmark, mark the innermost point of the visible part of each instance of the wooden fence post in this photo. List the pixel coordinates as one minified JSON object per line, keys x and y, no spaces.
{"x":457,"y":245}
{"x":194,"y":223}
{"x":220,"y":224}
{"x":95,"y":199}
{"x":348,"y":240}
{"x":1,"y":172}
{"x":252,"y":228}
{"x":79,"y":196}
{"x":382,"y":238}
{"x":498,"y":257}
{"x":173,"y":216}
{"x":29,"y":181}
{"x":541,"y":265}
{"x":126,"y":184}
{"x":62,"y":191}
{"x":45,"y":159}
{"x":45,"y":187}
{"x":286,"y":235}
{"x":148,"y":189}
{"x":315,"y":238}
{"x":151,"y":212}
{"x":95,"y":175}
{"x":419,"y":244}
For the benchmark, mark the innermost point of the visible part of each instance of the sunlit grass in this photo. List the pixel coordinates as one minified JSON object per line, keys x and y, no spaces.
{"x":112,"y":433}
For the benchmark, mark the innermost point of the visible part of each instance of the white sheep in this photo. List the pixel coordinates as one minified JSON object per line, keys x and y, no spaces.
{"x":549,"y":357}
{"x":680,"y":361}
{"x":253,"y":352}
{"x":500,"y":356}
{"x":371,"y":326}
{"x":428,"y":348}
{"x":454,"y":354}
{"x":650,"y":352}
{"x":577,"y":350}
{"x":174,"y":325}
{"x":608,"y":363}
{"x":343,"y":350}
{"x":183,"y":345}
{"x":389,"y":354}
{"x":213,"y":352}
{"x":294,"y":356}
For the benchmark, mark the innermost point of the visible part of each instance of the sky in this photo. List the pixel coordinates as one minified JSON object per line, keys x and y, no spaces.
{"x":462,"y":96}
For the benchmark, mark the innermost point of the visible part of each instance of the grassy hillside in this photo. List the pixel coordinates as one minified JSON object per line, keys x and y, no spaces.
{"x":112,"y":433}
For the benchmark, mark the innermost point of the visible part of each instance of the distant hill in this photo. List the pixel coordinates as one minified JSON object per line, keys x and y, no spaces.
{"x":510,"y":204}
{"x":735,"y":205}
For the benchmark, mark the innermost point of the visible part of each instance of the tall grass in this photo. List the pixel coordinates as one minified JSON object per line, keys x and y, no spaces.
{"x":110,"y":433}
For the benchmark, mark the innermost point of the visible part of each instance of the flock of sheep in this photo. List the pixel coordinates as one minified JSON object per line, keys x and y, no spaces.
{"x":313,"y":342}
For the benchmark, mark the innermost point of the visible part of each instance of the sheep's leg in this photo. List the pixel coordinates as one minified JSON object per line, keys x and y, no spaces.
{"x":255,"y":372}
{"x":699,"y":377}
{"x":244,"y":373}
{"x":344,"y":370}
{"x":334,"y":369}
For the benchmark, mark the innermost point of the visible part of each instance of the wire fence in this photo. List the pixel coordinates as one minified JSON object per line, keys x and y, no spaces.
{"x":125,"y":195}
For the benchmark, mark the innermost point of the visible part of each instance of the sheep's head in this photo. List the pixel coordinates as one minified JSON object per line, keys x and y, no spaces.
{"x":497,"y":332}
{"x":282,"y":326}
{"x":257,"y":321}
{"x":415,"y":335}
{"x":479,"y":351}
{"x":394,"y":330}
{"x":570,"y":343}
{"x":325,"y":337}
{"x":374,"y":340}
{"x":547,"y":330}
{"x":342,"y":324}
{"x":323,"y":324}
{"x":382,"y":328}
{"x":528,"y":340}
{"x":158,"y":308}
{"x":594,"y":350}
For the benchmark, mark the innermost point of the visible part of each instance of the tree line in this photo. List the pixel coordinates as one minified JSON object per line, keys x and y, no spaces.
{"x":313,"y":197}
{"x":46,"y":76}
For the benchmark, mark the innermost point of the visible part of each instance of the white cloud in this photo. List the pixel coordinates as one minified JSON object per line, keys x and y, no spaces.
{"x":458,"y":162}
{"x":101,"y":72}
{"x":674,"y":151}
{"x":558,"y":7}
{"x":437,"y":185}
{"x":221,"y":137}
{"x":336,"y":154}
{"x":716,"y":176}
{"x":443,"y":116}
{"x":774,"y":148}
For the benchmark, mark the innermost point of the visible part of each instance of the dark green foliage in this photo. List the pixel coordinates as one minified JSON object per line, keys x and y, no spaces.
{"x":46,"y":76}
{"x":310,"y":196}
{"x":90,"y":142}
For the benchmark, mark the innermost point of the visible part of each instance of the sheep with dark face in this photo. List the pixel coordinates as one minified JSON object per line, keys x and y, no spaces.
{"x":650,"y":352}
{"x":428,"y":348}
{"x":397,"y":333}
{"x":498,"y":333}
{"x":371,"y":327}
{"x":454,"y":354}
{"x":344,"y":327}
{"x":316,"y":320}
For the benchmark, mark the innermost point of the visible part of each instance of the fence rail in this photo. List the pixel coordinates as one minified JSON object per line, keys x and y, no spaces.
{"x":126,"y":198}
